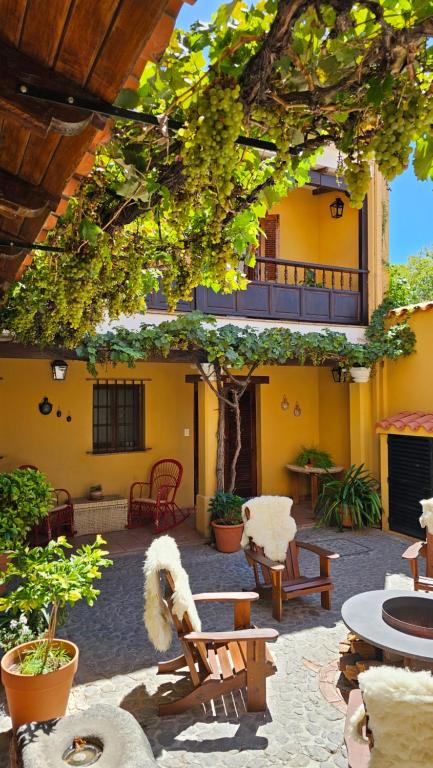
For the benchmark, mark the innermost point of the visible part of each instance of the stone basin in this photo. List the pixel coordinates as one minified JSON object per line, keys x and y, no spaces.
{"x":116,"y":733}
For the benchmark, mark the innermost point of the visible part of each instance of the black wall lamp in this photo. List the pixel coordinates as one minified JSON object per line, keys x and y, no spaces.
{"x":59,"y":369}
{"x":337,"y":208}
{"x":339,"y":374}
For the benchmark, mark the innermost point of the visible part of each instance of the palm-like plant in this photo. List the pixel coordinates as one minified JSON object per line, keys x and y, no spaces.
{"x":356,"y":494}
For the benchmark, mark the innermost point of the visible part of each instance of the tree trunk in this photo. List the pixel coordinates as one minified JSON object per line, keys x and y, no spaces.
{"x":237,"y":410}
{"x":220,"y":462}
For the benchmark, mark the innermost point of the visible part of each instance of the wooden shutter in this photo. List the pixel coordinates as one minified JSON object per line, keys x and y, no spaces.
{"x":410,"y":478}
{"x":269,"y":246}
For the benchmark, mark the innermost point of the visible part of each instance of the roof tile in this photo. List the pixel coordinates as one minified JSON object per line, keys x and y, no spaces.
{"x":413,"y":420}
{"x":410,"y":308}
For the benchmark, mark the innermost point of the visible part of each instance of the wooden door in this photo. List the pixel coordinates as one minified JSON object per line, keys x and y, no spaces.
{"x":246,"y":474}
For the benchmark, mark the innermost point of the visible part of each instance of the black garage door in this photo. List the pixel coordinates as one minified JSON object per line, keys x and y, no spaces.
{"x":410,"y":478}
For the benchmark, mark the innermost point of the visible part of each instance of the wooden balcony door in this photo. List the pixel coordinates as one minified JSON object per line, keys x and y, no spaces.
{"x":246,"y":474}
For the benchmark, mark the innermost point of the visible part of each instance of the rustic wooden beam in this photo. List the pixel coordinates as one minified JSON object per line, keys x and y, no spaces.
{"x":19,"y":198}
{"x":192,"y":378}
{"x":17,"y":70}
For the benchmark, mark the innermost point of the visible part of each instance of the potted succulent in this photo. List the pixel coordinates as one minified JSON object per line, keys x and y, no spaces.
{"x":351,"y":502}
{"x":312,"y":457}
{"x":226,"y":521}
{"x":37,"y":675}
{"x":25,"y":499}
{"x":95,"y":493}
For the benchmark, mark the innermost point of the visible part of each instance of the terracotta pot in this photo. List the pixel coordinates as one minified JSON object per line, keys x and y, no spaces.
{"x":39,"y":697}
{"x":3,"y":565}
{"x":346,"y":517}
{"x":96,"y":495}
{"x":228,"y":537}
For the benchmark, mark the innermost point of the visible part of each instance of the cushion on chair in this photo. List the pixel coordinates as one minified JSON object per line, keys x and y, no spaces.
{"x":141,"y":500}
{"x":426,"y":519}
{"x":163,"y":555}
{"x":270,"y":525}
{"x":399,"y":703}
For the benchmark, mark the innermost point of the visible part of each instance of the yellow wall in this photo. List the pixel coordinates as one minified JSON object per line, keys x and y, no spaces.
{"x":410,"y":379}
{"x":309,"y":233}
{"x":60,"y":449}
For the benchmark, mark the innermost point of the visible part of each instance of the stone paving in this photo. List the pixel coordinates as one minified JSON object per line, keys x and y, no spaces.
{"x":300,"y":728}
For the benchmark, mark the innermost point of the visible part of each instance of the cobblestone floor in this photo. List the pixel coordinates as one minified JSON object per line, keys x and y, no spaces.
{"x":300,"y":728}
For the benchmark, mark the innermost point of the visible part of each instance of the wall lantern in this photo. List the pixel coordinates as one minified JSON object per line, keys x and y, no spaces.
{"x":45,"y":407}
{"x":297,"y":409}
{"x":59,"y":369}
{"x":337,"y":208}
{"x":339,"y":374}
{"x":284,"y":403}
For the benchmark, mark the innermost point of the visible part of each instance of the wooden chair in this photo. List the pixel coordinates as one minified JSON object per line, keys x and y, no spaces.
{"x":156,"y":499}
{"x":283,"y":581}
{"x":421,"y":549}
{"x":358,"y":749}
{"x":221,"y":662}
{"x":59,"y":518}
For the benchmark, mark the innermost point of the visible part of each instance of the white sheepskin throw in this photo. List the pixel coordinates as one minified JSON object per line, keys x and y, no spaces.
{"x":163,"y":555}
{"x":400,"y":715}
{"x":270,"y":526}
{"x":426,"y":519}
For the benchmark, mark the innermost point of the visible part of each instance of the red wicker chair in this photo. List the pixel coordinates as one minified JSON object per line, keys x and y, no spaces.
{"x":59,"y":519}
{"x":156,"y":499}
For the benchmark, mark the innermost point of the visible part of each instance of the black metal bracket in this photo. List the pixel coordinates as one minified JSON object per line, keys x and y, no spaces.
{"x":26,"y":246}
{"x":120,"y":113}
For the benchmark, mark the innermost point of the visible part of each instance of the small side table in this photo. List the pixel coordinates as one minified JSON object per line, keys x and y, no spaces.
{"x":313,"y":473}
{"x":107,"y":514}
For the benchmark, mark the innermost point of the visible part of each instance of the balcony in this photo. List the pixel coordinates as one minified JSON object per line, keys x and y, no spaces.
{"x":287,"y":290}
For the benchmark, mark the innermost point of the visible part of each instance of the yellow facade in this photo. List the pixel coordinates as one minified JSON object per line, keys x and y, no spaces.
{"x":338,"y":418}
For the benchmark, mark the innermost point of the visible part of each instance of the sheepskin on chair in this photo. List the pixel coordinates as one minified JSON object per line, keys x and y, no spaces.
{"x":399,"y":704}
{"x":163,"y":555}
{"x":426,"y":519}
{"x":270,"y":525}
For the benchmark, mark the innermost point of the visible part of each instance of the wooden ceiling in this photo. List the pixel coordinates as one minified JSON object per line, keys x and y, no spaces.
{"x":70,"y":46}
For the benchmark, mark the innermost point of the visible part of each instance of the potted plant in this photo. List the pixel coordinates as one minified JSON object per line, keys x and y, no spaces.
{"x":37,"y":675}
{"x":25,"y":499}
{"x":95,"y":493}
{"x":226,"y":521}
{"x":312,"y":457}
{"x":350,"y":502}
{"x":361,"y":360}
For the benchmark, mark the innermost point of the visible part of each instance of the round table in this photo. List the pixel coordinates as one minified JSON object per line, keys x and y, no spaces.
{"x":362,"y":614}
{"x":313,"y":473}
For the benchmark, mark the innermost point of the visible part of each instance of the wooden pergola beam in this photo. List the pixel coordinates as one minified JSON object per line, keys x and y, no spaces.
{"x":22,"y":199}
{"x":17,"y":69}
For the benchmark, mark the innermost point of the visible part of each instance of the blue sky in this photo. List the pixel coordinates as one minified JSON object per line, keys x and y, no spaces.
{"x":411,"y":201}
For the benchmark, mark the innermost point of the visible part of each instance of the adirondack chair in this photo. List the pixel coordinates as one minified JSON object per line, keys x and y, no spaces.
{"x":390,"y":706}
{"x":59,"y":518}
{"x":422,"y":549}
{"x":282,"y":580}
{"x":358,"y":748}
{"x":217,"y":662}
{"x":156,"y":499}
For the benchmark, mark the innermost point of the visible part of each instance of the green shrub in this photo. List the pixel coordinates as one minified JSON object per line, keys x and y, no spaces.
{"x":25,"y":499}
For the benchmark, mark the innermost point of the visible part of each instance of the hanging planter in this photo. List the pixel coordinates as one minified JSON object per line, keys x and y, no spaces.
{"x":360,"y":374}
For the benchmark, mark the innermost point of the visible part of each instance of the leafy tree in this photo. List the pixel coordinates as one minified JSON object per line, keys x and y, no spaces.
{"x":181,"y":201}
{"x":412,"y":282}
{"x":227,"y":356}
